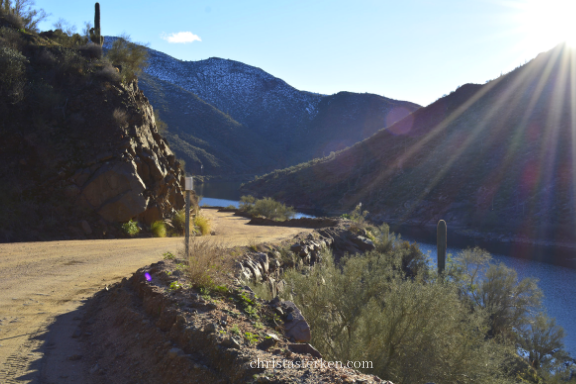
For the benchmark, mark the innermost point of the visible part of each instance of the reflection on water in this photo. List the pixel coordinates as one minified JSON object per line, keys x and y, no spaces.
{"x":557,"y":283}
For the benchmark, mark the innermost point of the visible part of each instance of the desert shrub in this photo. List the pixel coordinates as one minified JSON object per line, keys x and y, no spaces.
{"x":20,"y":14}
{"x":389,"y":307}
{"x":12,"y":74}
{"x":209,"y":263}
{"x":90,"y":50}
{"x":495,"y":289}
{"x":67,"y":39}
{"x":266,"y":207}
{"x":203,"y":224}
{"x":130,"y":57}
{"x":131,"y":228}
{"x":107,"y":73}
{"x":70,"y":63}
{"x":13,"y":20}
{"x":121,"y":117}
{"x":541,"y":338}
{"x":10,"y":38}
{"x":158,"y":228}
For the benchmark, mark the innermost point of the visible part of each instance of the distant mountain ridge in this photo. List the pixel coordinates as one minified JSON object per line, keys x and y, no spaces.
{"x":269,"y":124}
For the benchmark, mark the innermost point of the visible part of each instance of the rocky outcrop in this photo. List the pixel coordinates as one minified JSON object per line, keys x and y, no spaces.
{"x":81,"y":153}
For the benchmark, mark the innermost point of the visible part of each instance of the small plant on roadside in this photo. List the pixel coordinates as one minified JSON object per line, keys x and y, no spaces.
{"x":168,"y":256}
{"x":174,"y":286}
{"x":209,"y":263}
{"x":203,"y":225}
{"x":250,"y":337}
{"x":235,"y":330}
{"x":158,"y":229}
{"x":131,"y":228}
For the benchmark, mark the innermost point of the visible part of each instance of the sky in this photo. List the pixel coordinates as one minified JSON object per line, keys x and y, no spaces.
{"x":414,"y":50}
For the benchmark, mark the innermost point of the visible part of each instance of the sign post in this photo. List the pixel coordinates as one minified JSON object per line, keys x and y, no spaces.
{"x":188,"y":186}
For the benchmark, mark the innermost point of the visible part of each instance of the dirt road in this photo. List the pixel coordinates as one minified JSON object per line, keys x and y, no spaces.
{"x":43,"y":281}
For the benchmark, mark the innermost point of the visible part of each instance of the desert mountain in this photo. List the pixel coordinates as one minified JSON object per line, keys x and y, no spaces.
{"x":80,"y":150}
{"x":219,"y":111}
{"x":496,"y":158}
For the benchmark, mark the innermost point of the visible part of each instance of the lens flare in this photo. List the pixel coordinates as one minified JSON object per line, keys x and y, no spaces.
{"x":147,"y":276}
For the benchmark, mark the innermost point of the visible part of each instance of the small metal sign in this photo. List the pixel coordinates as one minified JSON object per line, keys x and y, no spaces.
{"x":188,"y":184}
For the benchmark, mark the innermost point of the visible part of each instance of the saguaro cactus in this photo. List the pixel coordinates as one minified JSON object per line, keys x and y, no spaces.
{"x":95,"y":35}
{"x":441,"y":244}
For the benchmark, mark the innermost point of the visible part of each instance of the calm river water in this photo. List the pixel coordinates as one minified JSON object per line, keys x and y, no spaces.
{"x":557,"y":283}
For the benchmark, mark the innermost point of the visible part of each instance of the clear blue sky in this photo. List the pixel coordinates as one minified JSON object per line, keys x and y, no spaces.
{"x":414,"y":50}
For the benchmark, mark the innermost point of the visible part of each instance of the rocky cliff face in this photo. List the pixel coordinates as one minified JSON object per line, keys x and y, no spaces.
{"x":80,"y":151}
{"x":135,"y":176}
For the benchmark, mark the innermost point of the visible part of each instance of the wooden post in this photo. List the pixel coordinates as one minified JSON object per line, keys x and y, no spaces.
{"x":188,"y":186}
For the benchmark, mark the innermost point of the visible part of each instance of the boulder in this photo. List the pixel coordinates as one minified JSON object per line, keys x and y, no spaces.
{"x":152,"y":214}
{"x":296,"y":328}
{"x":262,"y":258}
{"x":116,"y":192}
{"x":363,"y":243}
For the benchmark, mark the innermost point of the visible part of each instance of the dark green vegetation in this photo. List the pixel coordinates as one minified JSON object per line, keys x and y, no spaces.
{"x":390,"y":307}
{"x":495,"y":158}
{"x":68,"y":120}
{"x":231,"y":118}
{"x":266,"y":207}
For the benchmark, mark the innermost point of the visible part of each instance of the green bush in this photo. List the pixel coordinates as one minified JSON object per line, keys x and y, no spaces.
{"x":388,"y":306}
{"x":130,"y":57}
{"x":131,"y":228}
{"x":12,"y":74}
{"x":266,"y":207}
{"x":509,"y":304}
{"x":158,"y":228}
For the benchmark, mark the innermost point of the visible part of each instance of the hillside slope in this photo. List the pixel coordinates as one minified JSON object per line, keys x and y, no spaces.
{"x":494,"y":158}
{"x":203,"y":135}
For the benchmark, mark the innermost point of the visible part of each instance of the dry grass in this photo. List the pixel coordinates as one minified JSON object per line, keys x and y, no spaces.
{"x":210,"y":263}
{"x":203,"y":223}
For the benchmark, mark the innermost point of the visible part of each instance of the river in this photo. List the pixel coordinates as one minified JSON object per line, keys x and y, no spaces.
{"x":558,"y":283}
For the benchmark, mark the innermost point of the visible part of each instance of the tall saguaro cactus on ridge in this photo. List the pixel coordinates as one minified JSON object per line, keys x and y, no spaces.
{"x":95,"y":35}
{"x":441,"y":245}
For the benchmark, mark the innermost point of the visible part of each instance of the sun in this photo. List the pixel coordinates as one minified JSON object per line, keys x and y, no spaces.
{"x":548,"y":22}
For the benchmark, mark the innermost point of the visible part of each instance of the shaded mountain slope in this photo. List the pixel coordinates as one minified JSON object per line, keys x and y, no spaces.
{"x":495,"y":158}
{"x":203,"y":135}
